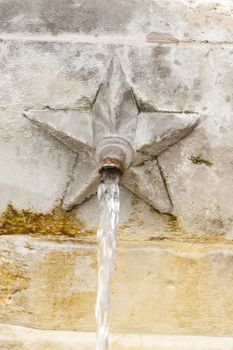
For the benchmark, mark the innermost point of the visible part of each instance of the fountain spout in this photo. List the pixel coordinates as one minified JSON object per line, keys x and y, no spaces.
{"x":109,"y":166}
{"x":114,"y":153}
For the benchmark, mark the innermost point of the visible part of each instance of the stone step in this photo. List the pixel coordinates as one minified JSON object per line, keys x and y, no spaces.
{"x":15,"y":338}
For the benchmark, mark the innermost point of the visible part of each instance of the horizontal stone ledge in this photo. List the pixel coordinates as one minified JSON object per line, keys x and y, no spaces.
{"x":111,"y":39}
{"x":179,"y":19}
{"x":16,"y":337}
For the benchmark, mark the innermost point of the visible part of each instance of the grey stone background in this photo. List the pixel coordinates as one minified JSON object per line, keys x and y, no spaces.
{"x":177,"y":56}
{"x":55,"y":55}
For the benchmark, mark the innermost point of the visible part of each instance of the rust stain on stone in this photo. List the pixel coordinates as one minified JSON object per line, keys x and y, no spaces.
{"x":58,"y":221}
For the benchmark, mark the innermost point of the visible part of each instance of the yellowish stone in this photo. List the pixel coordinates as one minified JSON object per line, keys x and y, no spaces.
{"x":158,"y":287}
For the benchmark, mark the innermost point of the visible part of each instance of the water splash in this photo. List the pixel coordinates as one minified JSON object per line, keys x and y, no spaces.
{"x":108,"y":195}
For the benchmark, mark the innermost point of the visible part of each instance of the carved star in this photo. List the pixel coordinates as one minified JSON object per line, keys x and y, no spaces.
{"x":115,"y":113}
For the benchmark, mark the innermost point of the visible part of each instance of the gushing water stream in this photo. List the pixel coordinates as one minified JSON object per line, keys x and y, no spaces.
{"x":108,"y":195}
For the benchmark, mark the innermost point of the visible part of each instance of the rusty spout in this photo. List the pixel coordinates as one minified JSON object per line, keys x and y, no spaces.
{"x":111,"y":167}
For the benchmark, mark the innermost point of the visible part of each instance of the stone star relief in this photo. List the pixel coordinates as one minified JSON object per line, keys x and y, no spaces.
{"x":115,"y":113}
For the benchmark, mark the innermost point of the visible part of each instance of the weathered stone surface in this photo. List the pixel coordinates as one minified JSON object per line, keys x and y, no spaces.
{"x":166,"y":287}
{"x":198,"y":79}
{"x":199,"y":177}
{"x":55,"y":222}
{"x":158,"y":131}
{"x":164,"y":77}
{"x":173,"y":273}
{"x":83,"y":183}
{"x":120,"y":132}
{"x":73,"y":128}
{"x":150,"y":21}
{"x":115,"y":110}
{"x":31,"y":164}
{"x":35,"y":75}
{"x":62,"y":287}
{"x":15,"y":338}
{"x":147,"y":182}
{"x":138,"y":220}
{"x":191,"y":78}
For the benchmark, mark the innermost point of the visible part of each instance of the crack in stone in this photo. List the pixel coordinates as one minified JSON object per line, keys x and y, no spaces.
{"x":164,"y":178}
{"x":70,"y":177}
{"x":64,"y":109}
{"x":148,"y":108}
{"x":175,"y":112}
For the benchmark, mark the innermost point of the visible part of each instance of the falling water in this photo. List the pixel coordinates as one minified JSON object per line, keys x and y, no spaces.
{"x":108,"y":195}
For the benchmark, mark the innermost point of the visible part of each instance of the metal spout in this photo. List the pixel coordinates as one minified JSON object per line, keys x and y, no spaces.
{"x":109,"y":172}
{"x":114,"y":155}
{"x":111,"y":168}
{"x":112,"y":163}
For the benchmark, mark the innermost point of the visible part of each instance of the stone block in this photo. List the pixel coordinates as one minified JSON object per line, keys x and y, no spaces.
{"x":160,"y":288}
{"x":152,"y":21}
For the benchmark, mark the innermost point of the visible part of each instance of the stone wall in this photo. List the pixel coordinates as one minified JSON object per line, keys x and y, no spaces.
{"x":173,"y":276}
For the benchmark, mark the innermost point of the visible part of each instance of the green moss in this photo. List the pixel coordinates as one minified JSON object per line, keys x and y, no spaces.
{"x":199,"y":160}
{"x":86,"y":107}
{"x":82,"y":107}
{"x":146,"y":107}
{"x":58,"y":221}
{"x":164,"y":175}
{"x":174,"y":224}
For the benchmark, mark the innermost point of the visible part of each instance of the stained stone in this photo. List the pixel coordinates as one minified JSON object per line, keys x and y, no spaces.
{"x":161,"y":20}
{"x":172,"y":285}
{"x":158,"y":287}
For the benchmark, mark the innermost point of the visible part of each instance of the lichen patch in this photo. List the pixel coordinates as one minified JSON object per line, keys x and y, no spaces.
{"x":58,"y":221}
